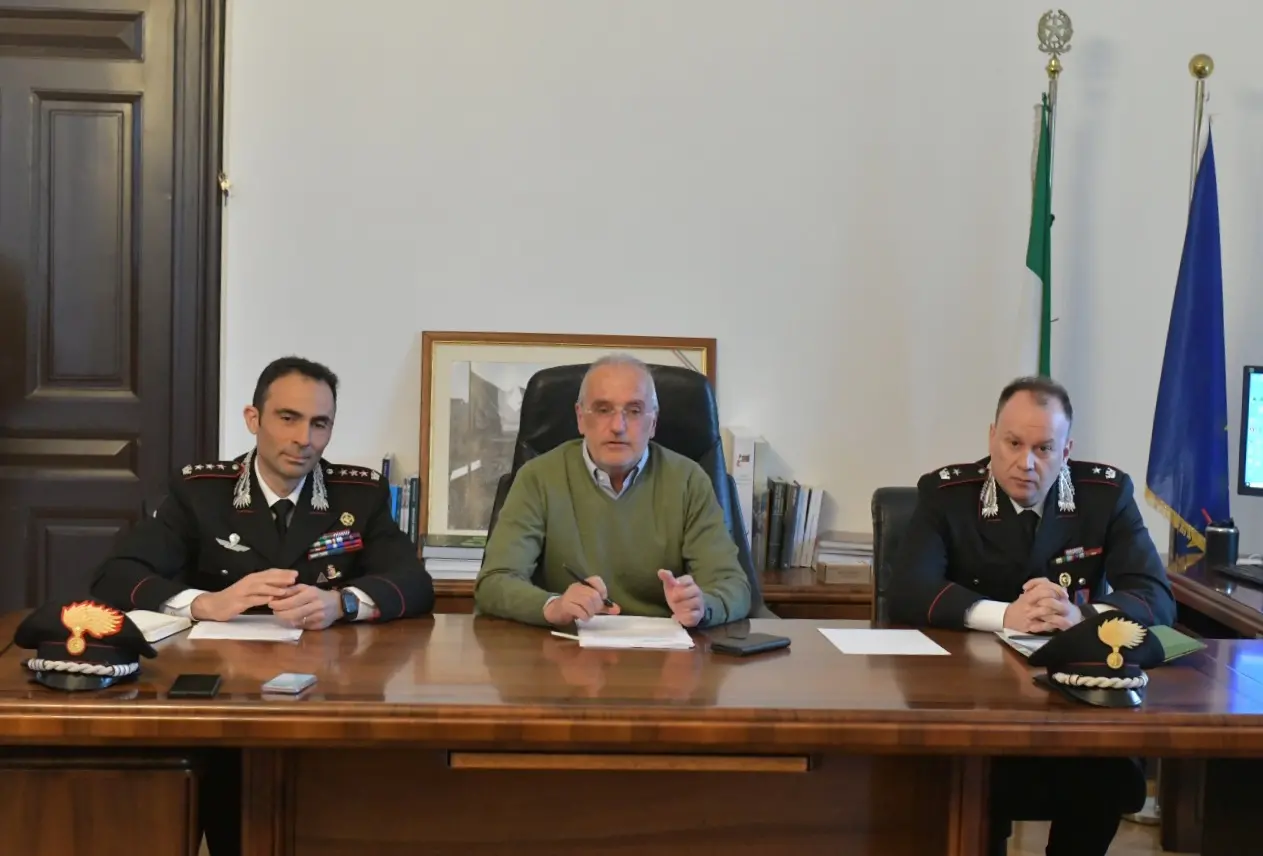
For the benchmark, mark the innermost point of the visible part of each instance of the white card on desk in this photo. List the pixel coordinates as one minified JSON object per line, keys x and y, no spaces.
{"x":632,"y":631}
{"x":250,"y":628}
{"x":866,"y":641}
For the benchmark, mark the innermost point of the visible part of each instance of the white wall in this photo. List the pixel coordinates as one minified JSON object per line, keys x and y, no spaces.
{"x":837,"y":190}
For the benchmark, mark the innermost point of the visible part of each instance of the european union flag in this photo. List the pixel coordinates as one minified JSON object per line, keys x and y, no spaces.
{"x":1187,"y":479}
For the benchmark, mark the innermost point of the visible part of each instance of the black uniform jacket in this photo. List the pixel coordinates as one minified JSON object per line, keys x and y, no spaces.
{"x":199,"y":539}
{"x":951,"y":556}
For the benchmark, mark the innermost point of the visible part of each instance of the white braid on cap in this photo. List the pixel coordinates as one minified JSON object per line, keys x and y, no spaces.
{"x":119,"y":671}
{"x":1099,"y":682}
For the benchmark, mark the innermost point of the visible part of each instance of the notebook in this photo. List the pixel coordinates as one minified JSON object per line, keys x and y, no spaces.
{"x":158,"y":625}
{"x":633,"y":631}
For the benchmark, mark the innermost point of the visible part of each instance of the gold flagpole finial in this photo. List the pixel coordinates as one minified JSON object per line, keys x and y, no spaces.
{"x":1055,"y":32}
{"x":1201,"y":66}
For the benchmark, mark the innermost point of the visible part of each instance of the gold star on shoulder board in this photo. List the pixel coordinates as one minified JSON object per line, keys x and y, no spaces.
{"x":347,"y":518}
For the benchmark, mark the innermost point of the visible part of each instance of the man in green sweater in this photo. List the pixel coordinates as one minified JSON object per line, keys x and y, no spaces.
{"x":638,"y":523}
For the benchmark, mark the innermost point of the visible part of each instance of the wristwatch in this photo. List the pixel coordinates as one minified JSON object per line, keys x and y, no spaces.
{"x":350,"y":605}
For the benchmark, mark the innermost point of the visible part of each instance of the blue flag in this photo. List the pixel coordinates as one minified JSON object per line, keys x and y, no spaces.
{"x":1187,"y":479}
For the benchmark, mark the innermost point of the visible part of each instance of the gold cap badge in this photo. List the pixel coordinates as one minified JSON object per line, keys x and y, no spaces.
{"x":1120,"y":633}
{"x":92,"y":618}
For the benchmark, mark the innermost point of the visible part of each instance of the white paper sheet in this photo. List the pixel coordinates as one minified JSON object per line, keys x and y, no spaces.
{"x":870,"y":642}
{"x":255,"y":628}
{"x":1024,"y":643}
{"x":633,"y":631}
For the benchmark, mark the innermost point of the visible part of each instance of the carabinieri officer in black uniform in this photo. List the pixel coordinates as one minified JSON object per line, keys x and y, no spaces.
{"x":278,"y":530}
{"x":1028,"y":540}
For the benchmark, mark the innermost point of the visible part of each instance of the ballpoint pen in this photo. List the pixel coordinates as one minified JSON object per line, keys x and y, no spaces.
{"x":579,"y":578}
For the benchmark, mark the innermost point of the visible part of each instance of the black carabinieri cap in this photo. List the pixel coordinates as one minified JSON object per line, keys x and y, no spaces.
{"x":1100,"y":660}
{"x":82,"y":645}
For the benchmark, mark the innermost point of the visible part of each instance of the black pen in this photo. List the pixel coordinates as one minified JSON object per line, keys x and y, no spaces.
{"x":579,"y":578}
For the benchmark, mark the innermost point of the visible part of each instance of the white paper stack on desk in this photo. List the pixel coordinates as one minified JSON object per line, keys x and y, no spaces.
{"x":633,"y":631}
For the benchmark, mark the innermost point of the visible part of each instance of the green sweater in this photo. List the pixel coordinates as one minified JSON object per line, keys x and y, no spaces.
{"x":668,"y":518}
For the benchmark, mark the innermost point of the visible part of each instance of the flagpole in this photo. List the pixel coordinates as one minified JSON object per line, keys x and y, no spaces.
{"x":1201,"y":67}
{"x":1054,"y":32}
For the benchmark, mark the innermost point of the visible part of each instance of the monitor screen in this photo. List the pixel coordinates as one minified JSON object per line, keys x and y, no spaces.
{"x":1250,"y":465}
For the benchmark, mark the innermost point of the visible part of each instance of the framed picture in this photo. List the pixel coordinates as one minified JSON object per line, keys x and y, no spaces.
{"x":471,"y":399}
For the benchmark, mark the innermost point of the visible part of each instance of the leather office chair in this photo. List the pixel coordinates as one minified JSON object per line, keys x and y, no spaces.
{"x":688,"y":423}
{"x":892,"y":507}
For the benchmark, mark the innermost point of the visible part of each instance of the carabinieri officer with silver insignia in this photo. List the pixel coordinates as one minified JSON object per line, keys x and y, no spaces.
{"x":1028,"y":540}
{"x":278,"y":529}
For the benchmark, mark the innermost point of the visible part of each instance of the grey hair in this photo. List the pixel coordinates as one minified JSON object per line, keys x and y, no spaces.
{"x":620,"y":360}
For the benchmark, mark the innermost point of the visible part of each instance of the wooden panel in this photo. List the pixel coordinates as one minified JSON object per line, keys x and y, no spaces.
{"x":67,"y":548}
{"x":50,"y":457}
{"x":57,"y":806}
{"x":1230,"y":818}
{"x":628,"y":762}
{"x":267,"y":819}
{"x":845,"y":611}
{"x":109,"y":232}
{"x":852,"y":805}
{"x":78,"y":33}
{"x":84,"y":237}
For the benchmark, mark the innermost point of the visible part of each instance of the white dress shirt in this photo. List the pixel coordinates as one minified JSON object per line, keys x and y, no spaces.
{"x":182,"y":603}
{"x":988,"y":615}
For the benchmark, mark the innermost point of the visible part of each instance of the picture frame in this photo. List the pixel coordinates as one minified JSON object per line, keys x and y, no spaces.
{"x":471,"y":394}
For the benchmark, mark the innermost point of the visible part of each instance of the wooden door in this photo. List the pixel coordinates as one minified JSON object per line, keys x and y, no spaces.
{"x":109,"y":295}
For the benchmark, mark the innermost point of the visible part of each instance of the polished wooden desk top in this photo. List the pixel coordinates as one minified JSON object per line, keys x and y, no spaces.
{"x":1231,"y":602}
{"x":458,"y":679}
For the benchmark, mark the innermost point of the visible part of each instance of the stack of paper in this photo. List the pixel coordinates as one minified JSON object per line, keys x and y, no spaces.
{"x":157,"y":625}
{"x":629,"y":631}
{"x":253,"y":628}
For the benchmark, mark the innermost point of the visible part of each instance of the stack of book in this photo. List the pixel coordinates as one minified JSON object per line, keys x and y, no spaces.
{"x":452,"y":557}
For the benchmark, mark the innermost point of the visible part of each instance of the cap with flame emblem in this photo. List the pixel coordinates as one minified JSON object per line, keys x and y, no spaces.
{"x":82,"y":645}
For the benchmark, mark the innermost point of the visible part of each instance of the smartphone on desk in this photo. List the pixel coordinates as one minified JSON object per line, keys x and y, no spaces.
{"x":194,"y":686}
{"x":289,"y":682}
{"x":738,"y":641}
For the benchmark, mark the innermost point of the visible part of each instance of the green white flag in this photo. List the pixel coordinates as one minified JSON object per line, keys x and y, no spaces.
{"x":1039,"y":243}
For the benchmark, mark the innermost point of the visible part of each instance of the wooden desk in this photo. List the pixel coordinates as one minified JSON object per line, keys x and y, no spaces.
{"x":456,"y":734}
{"x":1216,"y":606}
{"x":791,"y":593}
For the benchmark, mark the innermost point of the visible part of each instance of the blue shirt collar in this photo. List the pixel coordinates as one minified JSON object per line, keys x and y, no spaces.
{"x":602,"y":478}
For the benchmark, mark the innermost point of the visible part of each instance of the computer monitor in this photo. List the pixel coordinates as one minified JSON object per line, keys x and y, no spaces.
{"x":1250,"y":443}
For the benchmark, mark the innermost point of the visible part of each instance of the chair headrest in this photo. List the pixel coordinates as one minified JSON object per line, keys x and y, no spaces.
{"x":688,"y":418}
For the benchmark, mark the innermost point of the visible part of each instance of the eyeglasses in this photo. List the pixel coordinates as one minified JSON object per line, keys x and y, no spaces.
{"x":632,"y":412}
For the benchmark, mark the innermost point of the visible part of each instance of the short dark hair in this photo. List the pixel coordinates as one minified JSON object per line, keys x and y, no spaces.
{"x":285,"y":366}
{"x":1043,"y":388}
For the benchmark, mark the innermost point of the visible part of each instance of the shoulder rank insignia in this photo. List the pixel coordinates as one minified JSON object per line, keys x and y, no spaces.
{"x":218,"y":469}
{"x":1099,"y":473}
{"x":353,"y":474}
{"x":91,"y":618}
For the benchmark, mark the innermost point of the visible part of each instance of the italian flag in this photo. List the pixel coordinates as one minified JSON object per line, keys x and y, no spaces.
{"x":1039,"y":243}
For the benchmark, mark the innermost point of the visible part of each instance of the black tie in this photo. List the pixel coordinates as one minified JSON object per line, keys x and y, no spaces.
{"x":281,"y":508}
{"x":1030,"y":522}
